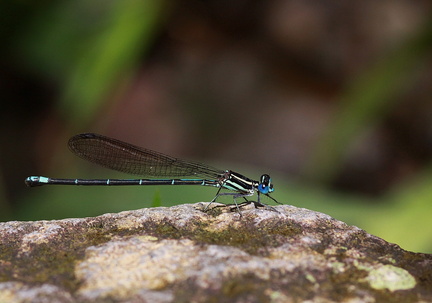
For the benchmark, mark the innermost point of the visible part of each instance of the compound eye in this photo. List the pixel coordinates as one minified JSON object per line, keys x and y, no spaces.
{"x":264,"y":189}
{"x":265,"y":179}
{"x":265,"y":185}
{"x":271,"y":189}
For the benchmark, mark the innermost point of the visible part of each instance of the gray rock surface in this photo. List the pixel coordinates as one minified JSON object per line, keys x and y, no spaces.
{"x":182,"y":254}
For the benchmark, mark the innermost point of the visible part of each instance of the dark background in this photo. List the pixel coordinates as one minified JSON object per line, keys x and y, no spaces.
{"x":331,"y":98}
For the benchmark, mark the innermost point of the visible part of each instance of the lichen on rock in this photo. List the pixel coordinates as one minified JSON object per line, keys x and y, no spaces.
{"x":182,"y":253}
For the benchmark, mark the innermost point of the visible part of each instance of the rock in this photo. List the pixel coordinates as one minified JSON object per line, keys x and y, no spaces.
{"x":183,"y":254}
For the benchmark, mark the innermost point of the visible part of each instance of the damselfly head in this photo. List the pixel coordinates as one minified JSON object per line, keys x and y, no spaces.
{"x":265,"y":185}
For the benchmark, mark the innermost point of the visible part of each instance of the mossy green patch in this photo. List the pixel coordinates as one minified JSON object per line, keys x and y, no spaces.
{"x":390,"y":277}
{"x":53,"y":261}
{"x":246,"y":235}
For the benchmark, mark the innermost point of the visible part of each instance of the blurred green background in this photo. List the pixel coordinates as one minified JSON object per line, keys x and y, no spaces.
{"x":332,"y":99}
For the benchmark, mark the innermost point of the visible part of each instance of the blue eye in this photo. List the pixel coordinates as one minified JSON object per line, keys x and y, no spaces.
{"x":263,"y":188}
{"x":265,"y":185}
{"x":271,"y":189}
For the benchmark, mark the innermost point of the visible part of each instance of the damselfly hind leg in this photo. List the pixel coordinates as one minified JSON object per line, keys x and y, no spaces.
{"x":246,"y":202}
{"x":213,"y":200}
{"x":235,"y":197}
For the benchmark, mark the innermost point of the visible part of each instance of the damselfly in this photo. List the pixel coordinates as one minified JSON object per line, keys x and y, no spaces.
{"x":127,"y":158}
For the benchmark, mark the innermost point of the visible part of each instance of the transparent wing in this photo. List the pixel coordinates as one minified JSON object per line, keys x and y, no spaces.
{"x":127,"y":158}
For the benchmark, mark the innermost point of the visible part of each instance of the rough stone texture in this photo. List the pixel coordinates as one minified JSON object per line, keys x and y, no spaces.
{"x":182,"y":254}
